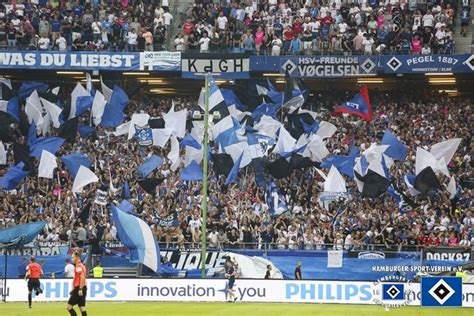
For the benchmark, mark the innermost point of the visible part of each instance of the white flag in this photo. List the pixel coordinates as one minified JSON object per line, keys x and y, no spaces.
{"x":326,"y":130}
{"x":334,"y":181}
{"x":78,"y":91}
{"x":98,"y":107}
{"x":84,"y":177}
{"x":3,"y":154}
{"x":53,"y":111}
{"x":139,"y":119}
{"x":445,"y":149}
{"x":106,"y":91}
{"x":176,"y":122}
{"x":55,"y":91}
{"x":173,"y":155}
{"x":88,"y":82}
{"x":160,"y":136}
{"x":34,"y":109}
{"x":122,"y":129}
{"x":452,"y":188}
{"x":47,"y":164}
{"x":285,"y":143}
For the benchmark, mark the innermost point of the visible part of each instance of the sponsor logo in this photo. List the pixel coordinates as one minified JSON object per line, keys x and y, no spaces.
{"x":243,"y":293}
{"x":394,"y":64}
{"x":441,"y":291}
{"x":61,"y":289}
{"x":392,"y":291}
{"x":371,"y":255}
{"x":328,"y":292}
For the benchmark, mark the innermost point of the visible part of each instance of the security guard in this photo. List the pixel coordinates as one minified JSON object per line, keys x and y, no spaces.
{"x":98,"y":271}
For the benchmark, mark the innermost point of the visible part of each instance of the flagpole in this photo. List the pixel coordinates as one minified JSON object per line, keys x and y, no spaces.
{"x":204,"y":180}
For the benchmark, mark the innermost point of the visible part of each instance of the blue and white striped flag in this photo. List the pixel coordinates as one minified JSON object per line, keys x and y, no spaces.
{"x":136,"y":235}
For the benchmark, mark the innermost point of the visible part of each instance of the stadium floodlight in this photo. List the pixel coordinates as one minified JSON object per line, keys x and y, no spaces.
{"x":136,"y":73}
{"x":438,"y":74}
{"x":69,"y":72}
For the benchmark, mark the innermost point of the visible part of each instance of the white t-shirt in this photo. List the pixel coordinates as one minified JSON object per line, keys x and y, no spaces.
{"x":204,"y":43}
{"x":428,"y":20}
{"x":276,"y":45}
{"x":132,"y":38}
{"x":222,"y":22}
{"x":96,"y":27}
{"x":69,"y":271}
{"x":43,"y":43}
{"x":179,"y":43}
{"x":62,"y":43}
{"x":368,"y":45}
{"x":342,"y":27}
{"x":195,"y":223}
{"x":167,"y":17}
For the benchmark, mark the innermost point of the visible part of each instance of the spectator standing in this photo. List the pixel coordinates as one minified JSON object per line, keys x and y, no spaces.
{"x":68,"y":269}
{"x":298,"y":275}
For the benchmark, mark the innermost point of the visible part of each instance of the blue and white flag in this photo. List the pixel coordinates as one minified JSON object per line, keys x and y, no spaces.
{"x":137,"y":236}
{"x":234,"y":172}
{"x":144,"y":135}
{"x":21,"y":234}
{"x":275,"y":200}
{"x":51,"y":144}
{"x":192,"y":172}
{"x":74,"y":161}
{"x":396,"y":149}
{"x":11,"y":107}
{"x":27,"y":87}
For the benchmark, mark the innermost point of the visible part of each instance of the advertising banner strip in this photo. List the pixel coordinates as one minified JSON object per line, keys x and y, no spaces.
{"x":183,"y":290}
{"x":105,"y":61}
{"x":227,"y":66}
{"x":448,"y":254}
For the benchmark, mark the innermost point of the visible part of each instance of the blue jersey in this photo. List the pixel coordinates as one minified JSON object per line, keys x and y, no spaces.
{"x":230,"y":272}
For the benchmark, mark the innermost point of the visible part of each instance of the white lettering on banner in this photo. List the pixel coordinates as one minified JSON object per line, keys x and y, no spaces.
{"x":17,"y":59}
{"x":213,"y":290}
{"x":448,"y":256}
{"x":216,"y":65}
{"x":432,"y":59}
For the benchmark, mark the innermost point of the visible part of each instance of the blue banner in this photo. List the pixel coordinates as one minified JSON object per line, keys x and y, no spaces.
{"x":328,"y":66}
{"x":226,"y":66}
{"x":105,"y":61}
{"x":144,"y":135}
{"x":411,"y":64}
{"x":347,"y":66}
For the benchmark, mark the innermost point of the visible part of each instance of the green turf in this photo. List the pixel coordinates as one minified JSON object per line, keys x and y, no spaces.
{"x":225,"y":309}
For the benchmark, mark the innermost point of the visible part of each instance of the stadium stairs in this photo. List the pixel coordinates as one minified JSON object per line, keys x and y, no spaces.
{"x":179,"y":9}
{"x":464,"y":44}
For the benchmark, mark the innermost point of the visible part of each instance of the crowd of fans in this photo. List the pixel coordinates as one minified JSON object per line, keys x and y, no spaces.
{"x":273,"y":27}
{"x":238,"y":214}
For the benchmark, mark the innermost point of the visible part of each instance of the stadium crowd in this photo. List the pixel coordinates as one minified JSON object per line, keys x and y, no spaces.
{"x":273,"y":27}
{"x":239,"y":214}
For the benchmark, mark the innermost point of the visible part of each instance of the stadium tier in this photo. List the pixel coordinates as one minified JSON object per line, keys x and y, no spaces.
{"x":263,"y":151}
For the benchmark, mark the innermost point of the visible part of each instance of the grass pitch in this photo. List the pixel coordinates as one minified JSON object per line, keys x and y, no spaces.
{"x":224,"y":309}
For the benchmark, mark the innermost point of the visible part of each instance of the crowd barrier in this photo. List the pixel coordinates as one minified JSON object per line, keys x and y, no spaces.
{"x":182,"y":290}
{"x":238,"y":66}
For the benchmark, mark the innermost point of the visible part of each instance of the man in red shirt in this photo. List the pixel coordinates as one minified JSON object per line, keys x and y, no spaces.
{"x":79,"y":292}
{"x":33,"y":274}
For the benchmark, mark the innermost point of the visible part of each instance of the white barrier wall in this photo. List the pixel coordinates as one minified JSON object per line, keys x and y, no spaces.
{"x":187,"y":290}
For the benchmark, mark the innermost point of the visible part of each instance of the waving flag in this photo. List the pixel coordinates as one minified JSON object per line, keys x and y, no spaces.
{"x":98,"y":107}
{"x":3,"y":154}
{"x":51,"y":144}
{"x":136,"y":235}
{"x":126,"y":194}
{"x":83,"y":177}
{"x":149,"y":165}
{"x":234,"y":172}
{"x":188,"y":140}
{"x":396,"y":150}
{"x":53,"y":111}
{"x":359,"y":105}
{"x":175,"y":122}
{"x":119,"y":98}
{"x":47,"y":165}
{"x":12,"y":178}
{"x":74,"y":161}
{"x":193,"y":172}
{"x":76,"y":94}
{"x":27,"y":87}
{"x":275,"y":199}
{"x":112,"y":116}
{"x":21,"y":234}
{"x":11,"y":107}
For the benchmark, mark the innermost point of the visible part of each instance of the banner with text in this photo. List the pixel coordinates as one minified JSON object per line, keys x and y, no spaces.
{"x":328,"y":66}
{"x":227,"y":66}
{"x":182,"y":290}
{"x":410,"y":64}
{"x":447,"y":254}
{"x":104,"y":61}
